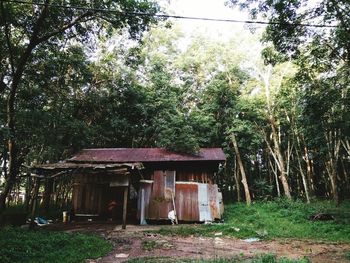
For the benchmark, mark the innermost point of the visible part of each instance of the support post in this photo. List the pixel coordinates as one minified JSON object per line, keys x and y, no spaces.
{"x":173,"y":199}
{"x":142,"y":216}
{"x":35,"y":197}
{"x":125,"y":206}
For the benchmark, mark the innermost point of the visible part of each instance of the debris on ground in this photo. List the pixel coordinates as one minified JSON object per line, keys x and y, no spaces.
{"x":39,"y":221}
{"x":121,"y":255}
{"x":251,"y":240}
{"x":131,"y":244}
{"x":321,"y":217}
{"x":261,"y":233}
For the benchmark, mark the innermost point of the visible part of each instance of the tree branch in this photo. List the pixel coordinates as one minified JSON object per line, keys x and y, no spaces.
{"x":3,"y":86}
{"x":75,"y":21}
{"x":8,"y":37}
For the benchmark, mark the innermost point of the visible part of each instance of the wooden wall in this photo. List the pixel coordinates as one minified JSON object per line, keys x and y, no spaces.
{"x":102,"y":194}
{"x":94,"y":195}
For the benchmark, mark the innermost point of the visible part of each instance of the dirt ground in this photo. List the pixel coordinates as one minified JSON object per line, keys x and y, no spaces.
{"x":127,"y":244}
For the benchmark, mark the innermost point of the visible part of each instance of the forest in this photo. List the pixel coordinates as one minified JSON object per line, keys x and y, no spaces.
{"x":275,"y":99}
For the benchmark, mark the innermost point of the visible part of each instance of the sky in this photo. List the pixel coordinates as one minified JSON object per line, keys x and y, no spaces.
{"x":208,"y":9}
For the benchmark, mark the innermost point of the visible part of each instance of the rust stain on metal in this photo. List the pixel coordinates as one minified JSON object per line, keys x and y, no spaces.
{"x":117,"y":155}
{"x":186,"y":201}
{"x":214,"y":201}
{"x":159,"y":206}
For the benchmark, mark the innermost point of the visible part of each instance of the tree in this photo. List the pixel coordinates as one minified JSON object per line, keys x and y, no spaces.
{"x":322,"y":53}
{"x":28,"y":30}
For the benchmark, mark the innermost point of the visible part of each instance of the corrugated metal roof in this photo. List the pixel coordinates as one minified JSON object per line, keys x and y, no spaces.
{"x":116,"y":155}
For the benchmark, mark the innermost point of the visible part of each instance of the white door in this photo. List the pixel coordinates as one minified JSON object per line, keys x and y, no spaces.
{"x":203,"y":203}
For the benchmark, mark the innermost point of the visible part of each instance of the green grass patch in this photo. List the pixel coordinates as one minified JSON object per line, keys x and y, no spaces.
{"x":275,"y":219}
{"x":149,"y":245}
{"x":268,"y":258}
{"x":22,"y":245}
{"x":347,"y":255}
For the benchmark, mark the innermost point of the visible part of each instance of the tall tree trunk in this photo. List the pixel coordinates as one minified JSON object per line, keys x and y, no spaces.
{"x":274,"y":170}
{"x":280,"y":159}
{"x":303,"y":177}
{"x":277,"y":152}
{"x":9,"y":183}
{"x":18,"y":70}
{"x":241,"y":167}
{"x":309,"y":171}
{"x":333,"y":145}
{"x":238,"y":186}
{"x":346,"y":176}
{"x":28,"y":191}
{"x":346,"y":146}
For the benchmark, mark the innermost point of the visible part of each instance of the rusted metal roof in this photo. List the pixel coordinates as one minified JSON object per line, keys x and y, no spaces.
{"x":96,"y":166}
{"x":120,"y":155}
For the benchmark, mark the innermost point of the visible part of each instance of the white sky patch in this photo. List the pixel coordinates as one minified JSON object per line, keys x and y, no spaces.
{"x":207,"y":9}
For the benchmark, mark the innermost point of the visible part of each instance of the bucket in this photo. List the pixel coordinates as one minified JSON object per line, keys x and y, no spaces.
{"x":65,"y":217}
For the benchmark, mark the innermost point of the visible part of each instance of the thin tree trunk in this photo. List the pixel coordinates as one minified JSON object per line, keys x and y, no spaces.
{"x":241,"y":167}
{"x":275,"y":135}
{"x":274,"y":170}
{"x":236,"y":176}
{"x":346,"y":145}
{"x":28,"y":190}
{"x":34,"y":202}
{"x":303,"y":177}
{"x":346,"y":176}
{"x":332,"y":175}
{"x":309,"y":170}
{"x":280,"y":159}
{"x":47,"y":194}
{"x":333,"y":145}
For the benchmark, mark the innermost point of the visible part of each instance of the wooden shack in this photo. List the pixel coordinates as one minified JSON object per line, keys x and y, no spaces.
{"x":152,"y":181}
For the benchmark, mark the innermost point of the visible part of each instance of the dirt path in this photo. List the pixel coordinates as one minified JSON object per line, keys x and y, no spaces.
{"x":129,"y":244}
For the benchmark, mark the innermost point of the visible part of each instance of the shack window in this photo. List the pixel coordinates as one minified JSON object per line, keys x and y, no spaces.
{"x":170,"y":184}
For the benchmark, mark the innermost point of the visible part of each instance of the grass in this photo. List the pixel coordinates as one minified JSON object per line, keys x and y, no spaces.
{"x":276,"y":219}
{"x":149,"y":245}
{"x":347,"y":255}
{"x":22,"y":245}
{"x":268,"y":258}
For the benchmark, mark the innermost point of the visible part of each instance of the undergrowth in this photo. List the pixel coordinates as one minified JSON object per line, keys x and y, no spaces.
{"x":347,"y":255}
{"x":149,"y":245}
{"x":22,"y":245}
{"x":275,"y":219}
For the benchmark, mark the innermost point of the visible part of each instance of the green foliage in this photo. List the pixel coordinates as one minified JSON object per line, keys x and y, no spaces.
{"x":262,"y":189}
{"x":347,"y":255}
{"x":276,"y":219}
{"x":177,"y":134}
{"x":21,"y":245}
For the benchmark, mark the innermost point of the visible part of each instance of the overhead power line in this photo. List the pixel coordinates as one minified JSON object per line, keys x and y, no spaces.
{"x":142,"y":14}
